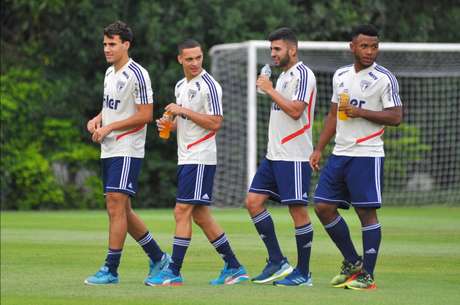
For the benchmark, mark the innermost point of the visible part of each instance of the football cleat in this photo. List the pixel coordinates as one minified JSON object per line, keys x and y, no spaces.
{"x":273,"y":271}
{"x":230,"y":276}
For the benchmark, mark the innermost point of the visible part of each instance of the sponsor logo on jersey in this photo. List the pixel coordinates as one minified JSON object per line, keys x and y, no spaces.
{"x":110,"y":103}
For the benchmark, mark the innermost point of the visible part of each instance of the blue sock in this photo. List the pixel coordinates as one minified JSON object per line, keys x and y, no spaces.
{"x":223,"y":248}
{"x":113,"y":260}
{"x":266,"y":229}
{"x":150,"y":247}
{"x":372,"y":235}
{"x":180,"y":246}
{"x":339,"y":233}
{"x":304,"y":239}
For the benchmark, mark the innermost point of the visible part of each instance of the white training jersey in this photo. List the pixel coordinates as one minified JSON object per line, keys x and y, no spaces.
{"x":373,"y":88}
{"x":289,"y":139}
{"x":123,"y":91}
{"x":202,"y":94}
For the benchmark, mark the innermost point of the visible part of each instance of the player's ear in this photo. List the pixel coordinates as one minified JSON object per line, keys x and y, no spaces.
{"x":179,"y":59}
{"x":126,"y":45}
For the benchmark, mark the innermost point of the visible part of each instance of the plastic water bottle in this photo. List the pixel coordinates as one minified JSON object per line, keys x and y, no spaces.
{"x":166,"y":131}
{"x":266,"y":71}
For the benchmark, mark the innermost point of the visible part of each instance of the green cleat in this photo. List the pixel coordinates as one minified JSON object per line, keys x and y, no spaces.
{"x":364,"y":281}
{"x":349,"y":272}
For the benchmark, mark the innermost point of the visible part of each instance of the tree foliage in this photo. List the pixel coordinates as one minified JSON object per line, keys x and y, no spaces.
{"x":52,"y":70}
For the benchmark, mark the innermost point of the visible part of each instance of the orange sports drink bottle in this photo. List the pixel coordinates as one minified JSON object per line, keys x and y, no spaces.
{"x":344,"y":98}
{"x":166,"y":131}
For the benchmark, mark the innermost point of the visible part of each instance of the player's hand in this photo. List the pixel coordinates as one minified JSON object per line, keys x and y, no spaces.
{"x":175,"y":109}
{"x":315,"y":157}
{"x":264,"y":83}
{"x":93,"y":124}
{"x":100,"y":133}
{"x":160,"y":124}
{"x":350,"y":110}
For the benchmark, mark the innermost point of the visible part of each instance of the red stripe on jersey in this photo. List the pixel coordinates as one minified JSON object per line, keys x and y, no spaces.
{"x":303,"y":129}
{"x":129,"y":132}
{"x":209,"y":135}
{"x":375,"y":134}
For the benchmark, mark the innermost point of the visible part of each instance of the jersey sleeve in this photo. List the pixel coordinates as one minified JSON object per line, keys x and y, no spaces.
{"x":335,"y":97}
{"x":390,"y":96}
{"x":305,"y":85}
{"x":143,"y":93}
{"x":213,"y":97}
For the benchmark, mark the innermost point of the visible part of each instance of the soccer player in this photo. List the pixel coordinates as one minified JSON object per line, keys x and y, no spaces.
{"x":121,"y":127}
{"x":198,"y":111}
{"x":353,"y":174}
{"x":284,"y":174}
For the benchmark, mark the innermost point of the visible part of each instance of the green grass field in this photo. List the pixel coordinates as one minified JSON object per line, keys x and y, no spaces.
{"x":45,"y":256}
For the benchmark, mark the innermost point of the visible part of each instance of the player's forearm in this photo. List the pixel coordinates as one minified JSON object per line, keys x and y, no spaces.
{"x":292,"y":109}
{"x":206,"y":121}
{"x":389,"y":117}
{"x":328,"y":131}
{"x":138,"y":119}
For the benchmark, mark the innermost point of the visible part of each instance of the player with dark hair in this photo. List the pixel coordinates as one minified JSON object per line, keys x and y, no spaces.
{"x":284,"y":174}
{"x":121,"y":127}
{"x":198,"y":111}
{"x":365,"y":99}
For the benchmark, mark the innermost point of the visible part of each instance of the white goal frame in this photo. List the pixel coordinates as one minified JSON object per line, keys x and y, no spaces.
{"x":253,"y":45}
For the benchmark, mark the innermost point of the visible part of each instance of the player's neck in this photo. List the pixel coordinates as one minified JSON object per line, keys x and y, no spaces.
{"x":120,"y":64}
{"x":290,"y":64}
{"x":359,"y":67}
{"x":189,"y":76}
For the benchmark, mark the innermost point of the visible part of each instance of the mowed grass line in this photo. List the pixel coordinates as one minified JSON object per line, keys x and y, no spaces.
{"x":45,"y":257}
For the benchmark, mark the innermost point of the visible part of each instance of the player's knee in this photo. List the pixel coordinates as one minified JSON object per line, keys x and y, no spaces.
{"x":199,"y":220}
{"x":322,"y":209}
{"x":182,"y":212}
{"x":116,"y":204}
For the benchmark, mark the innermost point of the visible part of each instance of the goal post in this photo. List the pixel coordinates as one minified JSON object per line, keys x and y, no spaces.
{"x":429,"y":79}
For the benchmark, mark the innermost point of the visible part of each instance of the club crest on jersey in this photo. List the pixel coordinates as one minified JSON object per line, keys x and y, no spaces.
{"x":120,"y":85}
{"x":197,"y":84}
{"x":364,"y":84}
{"x":191,"y":94}
{"x":341,"y":85}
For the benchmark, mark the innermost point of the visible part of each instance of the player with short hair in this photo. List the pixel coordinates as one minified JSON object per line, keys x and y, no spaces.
{"x":198,"y":111}
{"x":284,"y":174}
{"x":353,"y":174}
{"x":121,"y":128}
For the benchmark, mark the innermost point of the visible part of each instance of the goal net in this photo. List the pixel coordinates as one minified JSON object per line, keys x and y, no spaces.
{"x":422,"y":164}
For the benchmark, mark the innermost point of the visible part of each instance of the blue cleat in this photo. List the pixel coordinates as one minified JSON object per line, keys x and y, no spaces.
{"x":273,"y":271}
{"x":165,"y":278}
{"x":231,"y":276}
{"x":295,"y":279}
{"x":102,"y":277}
{"x":155,"y":268}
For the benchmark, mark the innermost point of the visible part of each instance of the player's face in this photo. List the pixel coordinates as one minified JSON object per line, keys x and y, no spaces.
{"x":281,"y":53}
{"x":365,"y":49}
{"x":192,"y":61}
{"x":115,"y":49}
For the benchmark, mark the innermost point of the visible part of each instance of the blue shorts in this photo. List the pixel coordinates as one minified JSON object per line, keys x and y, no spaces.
{"x":120,"y":174}
{"x":351,"y":180}
{"x":195,"y":183}
{"x":287,"y":182}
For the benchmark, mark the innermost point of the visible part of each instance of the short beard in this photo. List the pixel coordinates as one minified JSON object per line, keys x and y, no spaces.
{"x":284,"y":61}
